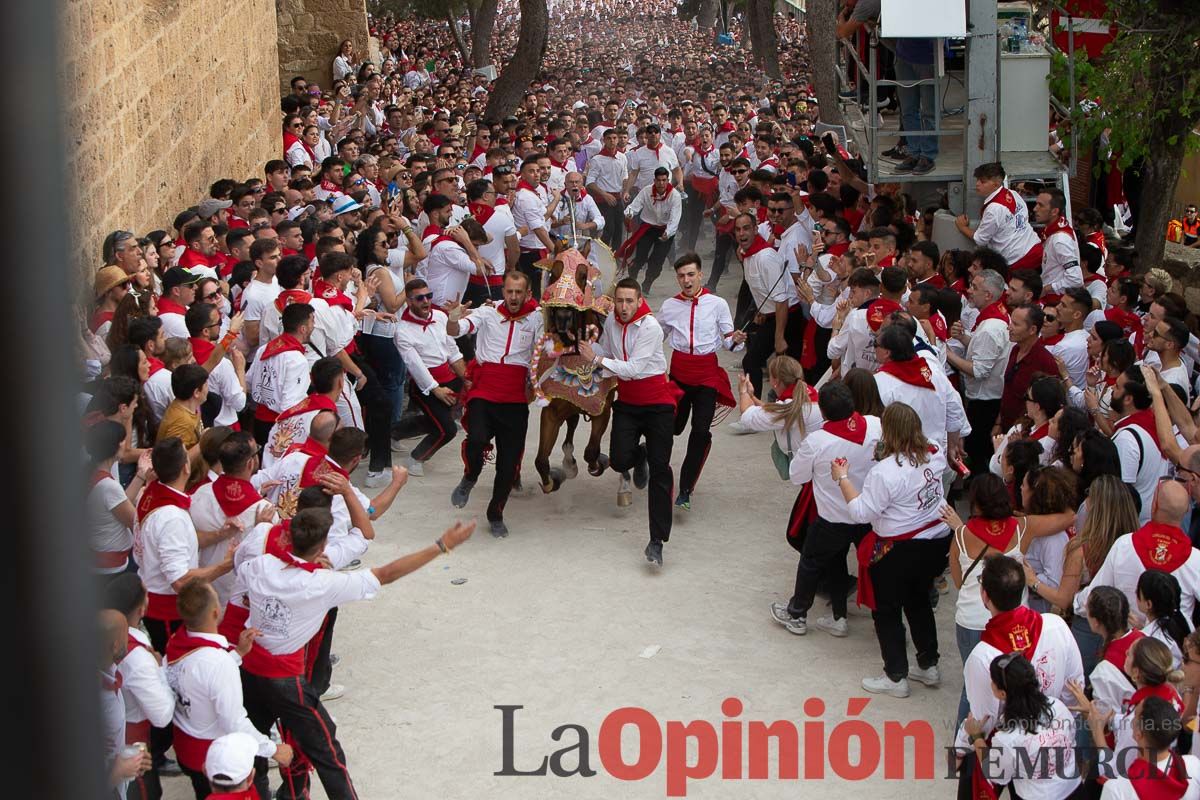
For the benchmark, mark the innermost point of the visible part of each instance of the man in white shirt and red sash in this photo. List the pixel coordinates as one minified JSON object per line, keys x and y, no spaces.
{"x":435,"y":370}
{"x":279,"y":376}
{"x":1060,"y":249}
{"x":1159,"y":544}
{"x":290,"y":430}
{"x":1043,"y":639}
{"x":166,"y":545}
{"x":659,"y":209}
{"x":289,"y":594}
{"x":285,"y":472}
{"x":631,"y":348}
{"x":202,"y":670}
{"x":778,"y":323}
{"x":529,"y":215}
{"x":497,"y":402}
{"x":1004,"y":222}
{"x":831,"y":531}
{"x":1136,"y":437}
{"x":698,"y":324}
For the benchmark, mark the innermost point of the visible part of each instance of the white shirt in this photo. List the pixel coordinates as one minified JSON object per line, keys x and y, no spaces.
{"x":499,"y":226}
{"x":289,"y":605}
{"x":1055,"y":659}
{"x":764,"y":274}
{"x":697,"y":327}
{"x":940,"y":408}
{"x":158,"y":392}
{"x":607,"y":173}
{"x":1072,"y":349}
{"x":1142,"y":465}
{"x":1122,"y":788}
{"x":285,"y":433}
{"x":1060,"y":263}
{"x":108,"y":534}
{"x":208,"y":691}
{"x":345,"y":542}
{"x":425,"y":346}
{"x":529,"y":211}
{"x":165,"y":547}
{"x":173,"y":325}
{"x":789,"y":439}
{"x":112,"y":718}
{"x":899,"y":497}
{"x":854,"y":344}
{"x":207,"y":516}
{"x":1056,"y":735}
{"x":645,"y":161}
{"x":278,"y":382}
{"x":988,"y":354}
{"x":256,"y":297}
{"x":1007,"y":232}
{"x":632,"y":351}
{"x":286,"y":473}
{"x":811,"y":463}
{"x":223,"y":380}
{"x":665,"y":212}
{"x":799,"y":232}
{"x":1123,"y":567}
{"x":1110,"y":685}
{"x":586,"y":211}
{"x":144,"y":684}
{"x":500,"y":340}
{"x":334,"y":328}
{"x":447,"y":270}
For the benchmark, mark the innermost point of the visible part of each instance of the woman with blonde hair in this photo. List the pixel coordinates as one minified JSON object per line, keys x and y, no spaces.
{"x":906,"y":549}
{"x":790,"y":417}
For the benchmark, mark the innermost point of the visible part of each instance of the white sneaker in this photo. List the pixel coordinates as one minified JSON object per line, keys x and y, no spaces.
{"x":416,"y":469}
{"x":931,"y":677}
{"x":885,"y":685}
{"x":834,"y":627}
{"x":334,"y":691}
{"x":738,"y":429}
{"x":398,"y":446}
{"x":377,"y":480}
{"x":796,"y":625}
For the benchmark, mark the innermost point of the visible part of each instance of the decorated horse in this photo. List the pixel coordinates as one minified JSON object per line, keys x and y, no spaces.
{"x":566,"y":385}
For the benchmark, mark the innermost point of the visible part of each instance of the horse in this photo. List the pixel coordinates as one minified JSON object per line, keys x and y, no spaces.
{"x":569,"y":387}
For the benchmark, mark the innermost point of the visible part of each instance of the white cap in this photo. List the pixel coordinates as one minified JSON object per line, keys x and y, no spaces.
{"x":230,"y":759}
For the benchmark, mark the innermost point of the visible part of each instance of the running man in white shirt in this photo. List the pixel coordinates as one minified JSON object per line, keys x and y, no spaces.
{"x":660,"y":207}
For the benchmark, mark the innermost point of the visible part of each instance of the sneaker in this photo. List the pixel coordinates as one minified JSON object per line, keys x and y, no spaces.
{"x":794,"y":624}
{"x":930,"y":676}
{"x":738,"y":429}
{"x":885,"y":685}
{"x":334,"y":659}
{"x":334,"y":691}
{"x":461,"y":493}
{"x":498,"y":528}
{"x":168,"y":766}
{"x":377,"y":480}
{"x":416,"y":469}
{"x":907,"y":165}
{"x":923,"y":166}
{"x":897,"y":153}
{"x":834,"y":627}
{"x":641,"y":473}
{"x":654,"y":553}
{"x":353,"y":565}
{"x":684,"y":501}
{"x":398,"y":446}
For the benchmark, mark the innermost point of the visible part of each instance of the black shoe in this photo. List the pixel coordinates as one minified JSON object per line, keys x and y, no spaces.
{"x":684,"y":501}
{"x":654,"y":553}
{"x":168,"y":766}
{"x":897,"y":153}
{"x":923,"y":166}
{"x":461,"y":493}
{"x":641,"y":472}
{"x":498,"y":528}
{"x":907,"y":165}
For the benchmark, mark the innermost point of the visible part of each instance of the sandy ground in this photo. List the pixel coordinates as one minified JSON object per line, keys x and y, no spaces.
{"x":560,"y":617}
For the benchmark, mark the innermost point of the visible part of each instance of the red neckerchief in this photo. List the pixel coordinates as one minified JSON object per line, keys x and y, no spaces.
{"x":938,"y":323}
{"x":330,"y":186}
{"x":994,"y":311}
{"x":168,"y":306}
{"x":777,"y":230}
{"x":726,"y":127}
{"x":1003,"y":197}
{"x":289,"y":139}
{"x":935,"y":280}
{"x":98,"y":319}
{"x":431,"y":230}
{"x":112,"y":684}
{"x":525,"y":310}
{"x":1163,"y":691}
{"x":788,"y":393}
{"x":314,"y":402}
{"x":157,"y":495}
{"x":880,"y":311}
{"x":582,"y":195}
{"x":695,"y":299}
{"x":1145,"y":420}
{"x":1050,"y":341}
{"x":289,"y":296}
{"x":1118,"y":649}
{"x":760,"y":214}
{"x":1059,"y":225}
{"x":643,"y":310}
{"x":317,"y":466}
{"x":183,"y":642}
{"x":523,"y":184}
{"x":914,"y":372}
{"x":155,"y":364}
{"x":1015,"y":631}
{"x":604,"y":151}
{"x":98,"y":476}
{"x":996,"y":533}
{"x":560,"y":164}
{"x":1161,"y":546}
{"x":960,"y":286}
{"x":1151,"y":783}
{"x":408,"y":316}
{"x":838,"y":249}
{"x":482,"y":212}
{"x":657,"y":198}
{"x":1129,"y":321}
{"x":332,"y":295}
{"x":757,"y":246}
{"x":853,"y":428}
{"x":479,"y":150}
{"x":201,"y":348}
{"x":1092,"y":279}
{"x":234,"y":495}
{"x":245,"y":794}
{"x":283,"y":343}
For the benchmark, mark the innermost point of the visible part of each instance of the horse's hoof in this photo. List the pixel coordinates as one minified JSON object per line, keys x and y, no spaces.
{"x":570,"y":469}
{"x":547,"y":488}
{"x":596,"y":468}
{"x":624,"y":499}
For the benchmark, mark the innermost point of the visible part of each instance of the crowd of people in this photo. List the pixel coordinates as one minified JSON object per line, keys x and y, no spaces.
{"x":1015,"y":417}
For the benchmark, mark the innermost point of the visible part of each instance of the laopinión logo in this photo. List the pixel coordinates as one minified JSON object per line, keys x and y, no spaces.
{"x":852,"y":749}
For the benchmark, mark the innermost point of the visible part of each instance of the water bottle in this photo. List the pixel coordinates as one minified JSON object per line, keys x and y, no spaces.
{"x":1005,"y":36}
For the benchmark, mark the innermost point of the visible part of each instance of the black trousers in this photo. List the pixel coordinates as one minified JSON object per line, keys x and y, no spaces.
{"x":146,"y":787}
{"x":651,"y":252}
{"x":724,"y":248}
{"x":296,"y":703}
{"x":526,"y":264}
{"x":902,"y":581}
{"x":761,"y":344}
{"x":821,"y":337}
{"x":262,"y":433}
{"x":982,"y":416}
{"x":322,"y":670}
{"x":700,"y":403}
{"x":507,"y":424}
{"x":689,"y":224}
{"x":614,"y":223}
{"x":823,"y":563}
{"x":744,"y":308}
{"x":656,"y":423}
{"x":377,"y":415}
{"x":439,"y":420}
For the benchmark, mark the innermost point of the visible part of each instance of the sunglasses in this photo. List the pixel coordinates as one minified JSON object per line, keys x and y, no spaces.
{"x":211,"y":296}
{"x":738,"y":171}
{"x":421,"y":298}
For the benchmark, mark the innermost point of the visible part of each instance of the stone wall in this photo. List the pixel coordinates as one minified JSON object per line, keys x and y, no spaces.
{"x":162,"y":97}
{"x":310,"y":32}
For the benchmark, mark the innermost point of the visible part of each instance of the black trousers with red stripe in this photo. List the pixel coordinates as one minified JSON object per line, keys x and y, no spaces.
{"x":439,"y":420}
{"x":507,"y":423}
{"x":657,"y":423}
{"x":296,"y":703}
{"x":700,"y":403}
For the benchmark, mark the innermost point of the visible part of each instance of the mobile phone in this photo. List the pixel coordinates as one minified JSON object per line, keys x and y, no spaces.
{"x":830,"y":145}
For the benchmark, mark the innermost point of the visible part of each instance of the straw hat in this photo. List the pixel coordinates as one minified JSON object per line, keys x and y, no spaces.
{"x":107,"y":279}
